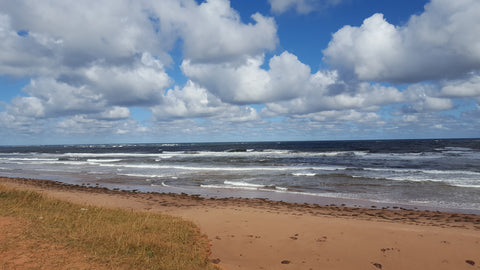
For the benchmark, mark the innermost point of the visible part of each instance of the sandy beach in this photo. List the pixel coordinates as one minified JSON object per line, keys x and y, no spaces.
{"x":262,"y":234}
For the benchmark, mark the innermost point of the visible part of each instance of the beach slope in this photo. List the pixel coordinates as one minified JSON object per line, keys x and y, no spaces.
{"x":260,"y":234}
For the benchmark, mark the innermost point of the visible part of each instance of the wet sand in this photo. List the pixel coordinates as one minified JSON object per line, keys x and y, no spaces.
{"x":263,"y":234}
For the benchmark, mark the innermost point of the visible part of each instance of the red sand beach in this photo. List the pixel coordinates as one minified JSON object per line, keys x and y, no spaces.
{"x":262,"y":234}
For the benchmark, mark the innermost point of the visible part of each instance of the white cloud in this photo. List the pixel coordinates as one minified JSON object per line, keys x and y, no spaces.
{"x":440,"y":43}
{"x":22,"y":124}
{"x":115,"y":113}
{"x":463,"y":88}
{"x":191,"y":101}
{"x":196,"y":102}
{"x":24,"y":55}
{"x":90,"y":60}
{"x":288,"y":76}
{"x":221,"y":36}
{"x":86,"y":31}
{"x":234,"y":83}
{"x":369,"y":50}
{"x":431,"y":125}
{"x":424,"y":98}
{"x":27,"y":106}
{"x":248,"y":83}
{"x":301,"y":6}
{"x":87,"y":59}
{"x":141,"y":84}
{"x":410,"y":118}
{"x":434,"y":104}
{"x":365,"y":97}
{"x":347,"y":115}
{"x":58,"y":98}
{"x":85,"y":125}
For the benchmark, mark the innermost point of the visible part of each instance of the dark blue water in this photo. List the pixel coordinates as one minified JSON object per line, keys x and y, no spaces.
{"x":431,"y":173}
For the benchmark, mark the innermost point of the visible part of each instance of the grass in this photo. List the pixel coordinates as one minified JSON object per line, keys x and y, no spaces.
{"x":119,"y":239}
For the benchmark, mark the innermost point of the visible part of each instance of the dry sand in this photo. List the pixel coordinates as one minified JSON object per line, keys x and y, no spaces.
{"x":260,"y":234}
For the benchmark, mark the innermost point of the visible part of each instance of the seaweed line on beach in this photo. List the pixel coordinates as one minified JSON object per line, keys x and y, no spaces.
{"x":386,"y":214}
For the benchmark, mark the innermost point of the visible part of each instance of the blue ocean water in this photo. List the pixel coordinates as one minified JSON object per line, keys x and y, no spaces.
{"x":430,"y":173}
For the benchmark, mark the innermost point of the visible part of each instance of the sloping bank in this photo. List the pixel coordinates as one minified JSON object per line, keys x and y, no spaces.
{"x":96,"y":237}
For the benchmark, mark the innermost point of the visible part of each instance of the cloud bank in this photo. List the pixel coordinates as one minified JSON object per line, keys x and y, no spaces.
{"x":91,"y":64}
{"x":438,"y":44}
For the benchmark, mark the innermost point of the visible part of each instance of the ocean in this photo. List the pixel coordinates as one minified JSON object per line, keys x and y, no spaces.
{"x":423,"y":174}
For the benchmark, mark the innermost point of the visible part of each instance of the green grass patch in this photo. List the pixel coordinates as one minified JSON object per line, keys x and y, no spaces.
{"x":119,"y":239}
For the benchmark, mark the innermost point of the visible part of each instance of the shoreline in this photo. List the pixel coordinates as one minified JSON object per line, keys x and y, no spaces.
{"x":264,"y":234}
{"x":311,"y":199}
{"x":182,"y":200}
{"x":287,"y":197}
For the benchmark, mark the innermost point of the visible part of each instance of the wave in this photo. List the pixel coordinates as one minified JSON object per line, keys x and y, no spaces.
{"x":161,"y":185}
{"x":266,"y":188}
{"x":106,"y":160}
{"x":113,"y":154}
{"x":451,"y":148}
{"x":169,"y":144}
{"x":456,"y":182}
{"x":304,"y":174}
{"x":28,"y":159}
{"x":243,"y":152}
{"x":468,"y":186}
{"x":245,"y":186}
{"x":424,"y":171}
{"x":242,"y":184}
{"x":144,"y":175}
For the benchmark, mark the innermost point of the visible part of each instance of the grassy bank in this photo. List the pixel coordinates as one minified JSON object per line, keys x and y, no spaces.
{"x":118,"y":239}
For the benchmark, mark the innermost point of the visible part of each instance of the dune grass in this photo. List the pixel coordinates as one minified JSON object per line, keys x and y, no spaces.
{"x":119,"y":239}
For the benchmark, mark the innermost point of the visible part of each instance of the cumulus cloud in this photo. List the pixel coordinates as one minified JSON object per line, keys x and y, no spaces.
{"x":93,"y":90}
{"x":462,"y":88}
{"x":425,"y":98}
{"x":301,"y":6}
{"x":194,"y":101}
{"x":53,"y":98}
{"x":115,"y":113}
{"x":318,"y":98}
{"x":86,"y":31}
{"x":439,"y":43}
{"x":221,"y":36}
{"x":64,"y":34}
{"x":27,"y":107}
{"x":84,"y":125}
{"x":248,"y":83}
{"x":90,"y":62}
{"x":140,"y":84}
{"x":24,"y":54}
{"x":346,"y":115}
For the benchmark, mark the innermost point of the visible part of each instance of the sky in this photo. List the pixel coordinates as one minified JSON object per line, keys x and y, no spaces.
{"x":149,"y":71}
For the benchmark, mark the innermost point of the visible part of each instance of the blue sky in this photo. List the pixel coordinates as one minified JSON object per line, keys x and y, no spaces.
{"x":241,"y":70}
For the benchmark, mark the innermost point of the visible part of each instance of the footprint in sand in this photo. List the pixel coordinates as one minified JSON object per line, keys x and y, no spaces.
{"x":472,"y":263}
{"x":322,"y":240}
